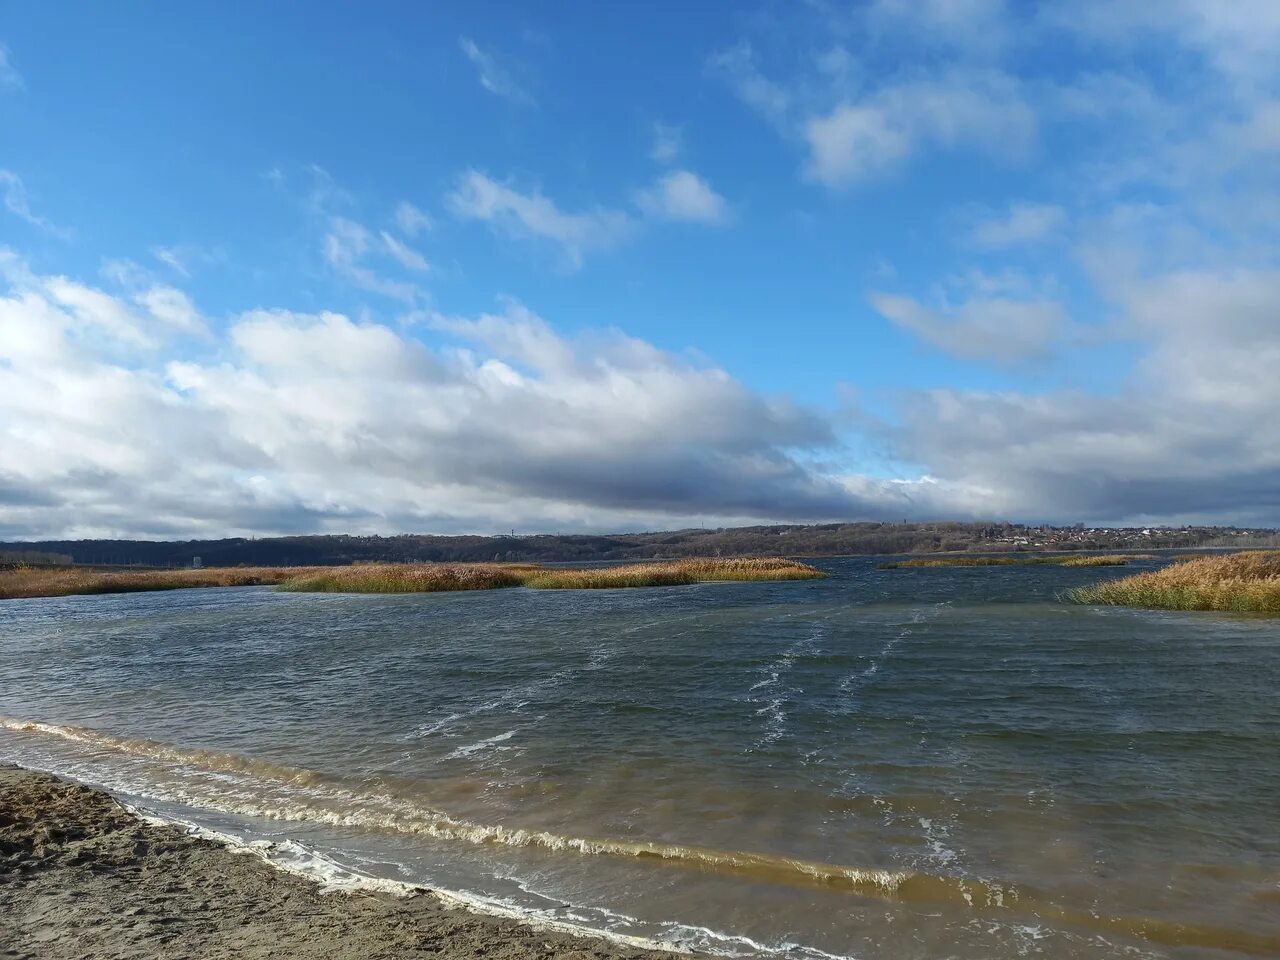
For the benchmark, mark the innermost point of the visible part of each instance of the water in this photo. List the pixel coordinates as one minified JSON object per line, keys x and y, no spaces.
{"x":885,"y":764}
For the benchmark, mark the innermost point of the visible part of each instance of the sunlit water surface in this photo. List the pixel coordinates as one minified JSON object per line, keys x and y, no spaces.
{"x":884,"y":764}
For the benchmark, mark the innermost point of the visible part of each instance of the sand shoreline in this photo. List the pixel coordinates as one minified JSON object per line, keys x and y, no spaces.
{"x":82,"y":876}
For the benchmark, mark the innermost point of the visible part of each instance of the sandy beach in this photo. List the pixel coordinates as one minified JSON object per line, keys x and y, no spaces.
{"x":83,"y":877}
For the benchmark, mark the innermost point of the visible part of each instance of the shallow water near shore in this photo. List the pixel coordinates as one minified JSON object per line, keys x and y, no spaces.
{"x":899,"y":763}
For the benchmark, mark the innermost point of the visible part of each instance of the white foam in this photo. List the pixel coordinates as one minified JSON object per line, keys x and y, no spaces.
{"x":294,"y":858}
{"x":774,"y":710}
{"x":471,"y":748}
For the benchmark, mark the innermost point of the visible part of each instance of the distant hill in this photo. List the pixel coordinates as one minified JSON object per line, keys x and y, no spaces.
{"x":830,"y":539}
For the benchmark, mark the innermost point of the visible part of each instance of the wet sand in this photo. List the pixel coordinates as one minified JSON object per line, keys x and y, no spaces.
{"x":82,"y":877}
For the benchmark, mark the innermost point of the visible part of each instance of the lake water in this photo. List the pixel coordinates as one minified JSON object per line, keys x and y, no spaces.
{"x":885,"y":764}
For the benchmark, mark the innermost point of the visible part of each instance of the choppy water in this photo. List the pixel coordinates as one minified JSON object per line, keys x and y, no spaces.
{"x":885,"y":764}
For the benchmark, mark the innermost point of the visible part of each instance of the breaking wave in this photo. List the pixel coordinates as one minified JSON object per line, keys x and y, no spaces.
{"x":269,"y":791}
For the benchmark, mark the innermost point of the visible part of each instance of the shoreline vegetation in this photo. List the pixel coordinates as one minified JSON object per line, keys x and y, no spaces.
{"x":80,"y":875}
{"x":31,"y":582}
{"x":1246,"y":582}
{"x":1108,"y":560}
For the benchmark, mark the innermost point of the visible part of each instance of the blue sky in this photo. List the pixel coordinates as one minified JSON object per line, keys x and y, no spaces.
{"x":603,"y":266}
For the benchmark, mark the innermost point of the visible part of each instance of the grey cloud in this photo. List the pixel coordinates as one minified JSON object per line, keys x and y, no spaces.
{"x":315,"y":422}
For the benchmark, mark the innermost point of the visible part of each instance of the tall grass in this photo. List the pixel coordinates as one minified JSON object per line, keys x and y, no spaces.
{"x":673,"y":573}
{"x":1072,"y":560}
{"x":1245,"y":582}
{"x":66,"y":581}
{"x":1112,"y":560}
{"x":398,"y":577}
{"x":408,"y":578}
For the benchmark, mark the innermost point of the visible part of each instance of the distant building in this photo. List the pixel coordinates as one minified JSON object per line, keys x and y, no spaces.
{"x":196,"y":563}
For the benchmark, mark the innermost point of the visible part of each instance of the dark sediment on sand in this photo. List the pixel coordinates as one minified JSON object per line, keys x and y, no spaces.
{"x":82,"y":877}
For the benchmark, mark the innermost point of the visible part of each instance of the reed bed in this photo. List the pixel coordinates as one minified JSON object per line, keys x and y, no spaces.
{"x":1072,"y":560}
{"x":674,"y":573}
{"x":409,"y":578}
{"x":66,"y":581}
{"x":1111,"y":560}
{"x":1246,"y":582}
{"x":398,"y":577}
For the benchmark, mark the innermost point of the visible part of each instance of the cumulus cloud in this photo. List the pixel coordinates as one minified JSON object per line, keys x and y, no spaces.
{"x":858,"y":123}
{"x":683,"y":195}
{"x":997,"y":329}
{"x":1190,"y":437}
{"x":525,"y":215}
{"x":318,"y":421}
{"x":1239,"y":40}
{"x":492,"y":76}
{"x":868,"y":137}
{"x":304,"y":422}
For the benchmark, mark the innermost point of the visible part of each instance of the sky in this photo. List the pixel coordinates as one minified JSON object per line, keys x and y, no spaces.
{"x":568,"y":267}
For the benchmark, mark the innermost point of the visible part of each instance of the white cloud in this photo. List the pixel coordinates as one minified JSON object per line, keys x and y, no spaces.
{"x":738,"y":66}
{"x":683,"y":195}
{"x":107,"y":321}
{"x":1022,"y":223}
{"x":867,"y":138}
{"x":667,"y":143}
{"x":315,"y":421}
{"x":518,"y":335}
{"x":1238,"y":40}
{"x":172,"y":307}
{"x":478,"y":197}
{"x":403,"y":254}
{"x":172,"y":259}
{"x":410,"y":220}
{"x":17,"y":203}
{"x":997,"y":329}
{"x":184,"y":258}
{"x":493,"y":77}
{"x":1190,"y":437}
{"x":346,"y":244}
{"x":9,"y":76}
{"x":974,"y":27}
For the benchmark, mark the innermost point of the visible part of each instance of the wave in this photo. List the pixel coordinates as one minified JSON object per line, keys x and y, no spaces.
{"x":318,"y":798}
{"x":286,"y":793}
{"x":469,"y":749}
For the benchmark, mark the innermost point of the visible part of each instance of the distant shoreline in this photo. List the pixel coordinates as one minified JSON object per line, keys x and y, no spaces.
{"x":791,"y":540}
{"x":81,"y":875}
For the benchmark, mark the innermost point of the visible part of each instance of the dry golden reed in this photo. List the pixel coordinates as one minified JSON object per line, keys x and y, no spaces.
{"x":662,"y":574}
{"x":399,"y":577}
{"x":1246,"y":582}
{"x":1073,"y":560}
{"x":64,"y":581}
{"x":407,"y":578}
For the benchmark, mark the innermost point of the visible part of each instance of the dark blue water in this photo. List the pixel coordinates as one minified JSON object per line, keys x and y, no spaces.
{"x":897,"y":763}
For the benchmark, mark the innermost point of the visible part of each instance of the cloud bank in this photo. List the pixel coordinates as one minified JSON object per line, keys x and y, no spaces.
{"x":319,"y":422}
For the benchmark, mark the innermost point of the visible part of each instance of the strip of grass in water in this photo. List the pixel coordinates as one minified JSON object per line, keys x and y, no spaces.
{"x":408,"y":578}
{"x":67,"y":581}
{"x":1246,"y":582}
{"x":1074,"y":560}
{"x":398,"y":577}
{"x":674,"y":573}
